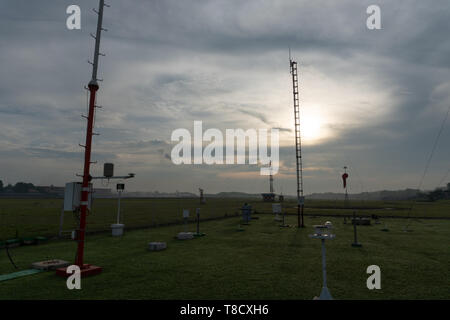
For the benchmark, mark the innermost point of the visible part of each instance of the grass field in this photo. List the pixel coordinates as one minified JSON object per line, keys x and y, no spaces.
{"x":34,"y":217}
{"x":263,"y":262}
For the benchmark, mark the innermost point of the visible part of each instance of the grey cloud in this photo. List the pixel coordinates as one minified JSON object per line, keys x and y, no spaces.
{"x":172,"y":62}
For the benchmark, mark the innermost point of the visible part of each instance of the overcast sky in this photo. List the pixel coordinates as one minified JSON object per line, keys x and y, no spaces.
{"x":372,"y":100}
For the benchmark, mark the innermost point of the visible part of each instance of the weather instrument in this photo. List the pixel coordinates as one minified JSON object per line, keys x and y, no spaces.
{"x":117,"y":228}
{"x":87,"y":269}
{"x":198,"y":233}
{"x":323,"y":232}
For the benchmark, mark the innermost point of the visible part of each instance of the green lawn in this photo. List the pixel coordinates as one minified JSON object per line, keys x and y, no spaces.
{"x":33,"y":217}
{"x":263,"y":262}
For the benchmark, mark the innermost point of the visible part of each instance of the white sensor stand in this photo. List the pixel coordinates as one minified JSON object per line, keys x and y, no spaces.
{"x":322,"y":232}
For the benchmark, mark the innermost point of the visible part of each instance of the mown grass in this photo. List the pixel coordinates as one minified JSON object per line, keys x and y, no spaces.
{"x":34,"y":217}
{"x":263,"y":262}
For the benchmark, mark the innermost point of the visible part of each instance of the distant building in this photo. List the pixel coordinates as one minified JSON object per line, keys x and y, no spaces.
{"x":59,"y":191}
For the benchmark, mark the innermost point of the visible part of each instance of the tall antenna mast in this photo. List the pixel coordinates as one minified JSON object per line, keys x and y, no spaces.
{"x":271,"y":178}
{"x":93,"y":86}
{"x":298,"y":142}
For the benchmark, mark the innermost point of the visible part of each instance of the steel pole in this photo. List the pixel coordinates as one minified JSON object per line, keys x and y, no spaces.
{"x":118,"y":208}
{"x":302,"y":210}
{"x":324,"y":264}
{"x":325,"y":293}
{"x":198,"y":222}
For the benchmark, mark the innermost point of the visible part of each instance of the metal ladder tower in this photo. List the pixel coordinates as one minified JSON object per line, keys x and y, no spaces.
{"x":271,"y":178}
{"x":298,"y":143}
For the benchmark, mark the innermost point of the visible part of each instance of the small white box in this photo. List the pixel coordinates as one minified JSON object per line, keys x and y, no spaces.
{"x":72,"y":196}
{"x":157,"y":246}
{"x":117,"y":229}
{"x":185,"y":236}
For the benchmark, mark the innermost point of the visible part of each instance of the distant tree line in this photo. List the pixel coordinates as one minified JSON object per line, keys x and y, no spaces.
{"x":440,"y":193}
{"x":19,"y":187}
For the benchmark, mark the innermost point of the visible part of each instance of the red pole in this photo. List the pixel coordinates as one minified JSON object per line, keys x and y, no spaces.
{"x":93,"y":87}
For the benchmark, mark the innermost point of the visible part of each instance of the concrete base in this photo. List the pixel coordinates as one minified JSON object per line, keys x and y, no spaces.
{"x":157,"y":246}
{"x":87,"y":270}
{"x":50,"y":264}
{"x":325,"y":294}
{"x":185,"y":236}
{"x":361,"y":221}
{"x":117,"y":229}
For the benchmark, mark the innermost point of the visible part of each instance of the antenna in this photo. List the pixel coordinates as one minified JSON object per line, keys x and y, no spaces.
{"x":93,"y":86}
{"x":97,"y":41}
{"x":290,"y":61}
{"x":298,"y":142}
{"x":271,"y":177}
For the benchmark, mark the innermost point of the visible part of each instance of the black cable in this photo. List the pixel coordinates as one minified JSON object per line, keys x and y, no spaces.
{"x":428,"y":162}
{"x":9,"y":257}
{"x":444,"y":177}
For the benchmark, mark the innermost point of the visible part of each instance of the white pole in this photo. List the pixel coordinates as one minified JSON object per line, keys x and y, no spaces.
{"x":118,"y":210}
{"x":61,"y":222}
{"x":325,"y":294}
{"x":324,"y":264}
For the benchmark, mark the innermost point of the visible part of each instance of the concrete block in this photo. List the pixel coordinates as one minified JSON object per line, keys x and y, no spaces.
{"x":185,"y":236}
{"x":157,"y":246}
{"x":50,"y":264}
{"x":117,"y":229}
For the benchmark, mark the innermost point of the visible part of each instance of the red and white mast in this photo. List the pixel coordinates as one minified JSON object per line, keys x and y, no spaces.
{"x":85,"y":190}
